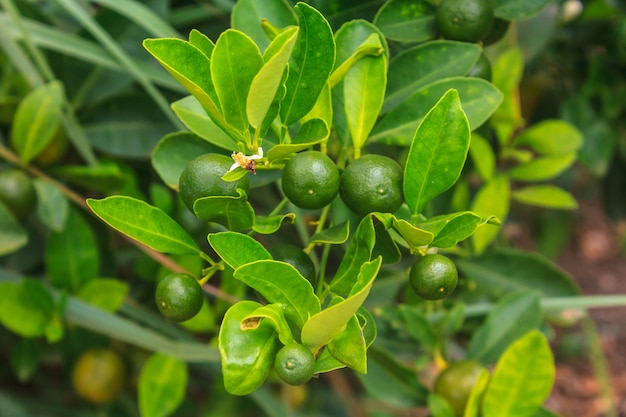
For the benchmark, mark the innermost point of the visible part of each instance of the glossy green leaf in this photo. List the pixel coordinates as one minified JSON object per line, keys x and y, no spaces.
{"x":512,"y":317}
{"x":312,"y":132}
{"x":267,"y":81}
{"x":324,"y":326}
{"x":413,"y":235}
{"x":364,"y":90}
{"x":36,"y":120}
{"x":192,"y":114}
{"x":174,"y":152}
{"x":247,"y":16}
{"x":72,"y":256}
{"x":507,"y":270}
{"x":25,"y":307}
{"x":551,"y":137}
{"x":247,"y":355}
{"x":280,"y":282}
{"x":437,"y":153}
{"x":266,"y":225}
{"x":236,"y":60}
{"x":518,"y":10}
{"x":392,"y":382}
{"x":416,"y":67}
{"x":450,"y":229}
{"x":335,"y":235}
{"x":473,"y":405}
{"x":144,"y":223}
{"x":275,"y":315}
{"x":439,"y":407}
{"x":419,"y":327}
{"x":162,"y":385}
{"x":325,"y":362}
{"x":237,"y":249}
{"x":507,"y":72}
{"x":12,"y":234}
{"x":104,"y":176}
{"x":235,"y":213}
{"x":192,"y":69}
{"x":548,"y":196}
{"x":543,"y":168}
{"x":311,"y":63}
{"x":359,"y":251}
{"x":479,"y":100}
{"x":52,"y":205}
{"x":492,"y":199}
{"x":407,"y":20}
{"x":483,"y":157}
{"x":385,"y":246}
{"x":202,"y":42}
{"x":105,"y":293}
{"x":349,"y":346}
{"x":509,"y":392}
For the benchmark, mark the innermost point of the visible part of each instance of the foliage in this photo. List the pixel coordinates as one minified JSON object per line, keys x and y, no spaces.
{"x":263,"y":82}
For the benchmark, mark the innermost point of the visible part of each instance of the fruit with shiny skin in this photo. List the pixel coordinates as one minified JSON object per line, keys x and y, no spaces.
{"x":464,"y":20}
{"x":455,"y":383}
{"x":179,"y":297}
{"x":310,"y":180}
{"x":297,"y":258}
{"x":433,"y":276}
{"x":294,"y":364}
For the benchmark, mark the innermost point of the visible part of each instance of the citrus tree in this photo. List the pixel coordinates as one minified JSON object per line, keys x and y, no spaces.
{"x":325,"y":195}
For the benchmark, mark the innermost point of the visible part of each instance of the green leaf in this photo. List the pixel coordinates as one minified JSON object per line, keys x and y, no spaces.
{"x":476,"y":395}
{"x":349,"y":347}
{"x":104,"y":176}
{"x":274,"y":314}
{"x":36,"y":120}
{"x":312,"y":132}
{"x":174,"y":152}
{"x":392,"y":382}
{"x":416,"y":67}
{"x":52,"y":205}
{"x":327,"y":324}
{"x":509,"y":392}
{"x":407,"y":20}
{"x":419,"y":327}
{"x":437,"y":153}
{"x":247,"y":355}
{"x":439,"y":407}
{"x":235,"y":213}
{"x":450,"y":229}
{"x":202,"y":42}
{"x":144,"y":223}
{"x":105,"y":293}
{"x":483,"y":157}
{"x":280,"y":282}
{"x":326,"y":362}
{"x":267,"y":225}
{"x":507,"y":73}
{"x":385,"y":245}
{"x":518,"y":10}
{"x":72,"y":256}
{"x":25,"y":307}
{"x":548,"y":196}
{"x":543,"y":168}
{"x":237,"y":249}
{"x":202,"y":322}
{"x":551,"y":137}
{"x":162,"y":385}
{"x":266,"y":83}
{"x":25,"y":359}
{"x":359,"y":251}
{"x":492,"y":199}
{"x":248,"y":15}
{"x":479,"y":99}
{"x":235,"y":62}
{"x":335,"y":235}
{"x":364,"y":90}
{"x":192,"y":114}
{"x":311,"y":63}
{"x":413,"y":235}
{"x":507,"y":270}
{"x":511,"y":318}
{"x":12,"y":235}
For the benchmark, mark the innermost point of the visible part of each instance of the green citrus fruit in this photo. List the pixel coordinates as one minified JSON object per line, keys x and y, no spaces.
{"x":17,"y":192}
{"x":295,"y":364}
{"x":296,"y":257}
{"x":433,"y":276}
{"x":179,"y":297}
{"x":372,"y":183}
{"x":202,"y":177}
{"x":464,"y":20}
{"x":310,"y":180}
{"x":481,"y":69}
{"x":455,"y":383}
{"x":98,"y":375}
